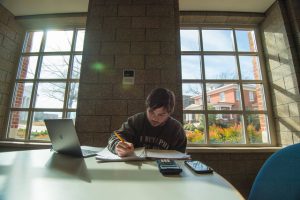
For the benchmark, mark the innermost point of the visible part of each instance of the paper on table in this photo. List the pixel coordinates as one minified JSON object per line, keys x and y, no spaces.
{"x":142,"y":154}
{"x":167,"y":154}
{"x":106,"y":155}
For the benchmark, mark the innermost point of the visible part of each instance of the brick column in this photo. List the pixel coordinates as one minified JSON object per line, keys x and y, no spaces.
{"x":141,"y":35}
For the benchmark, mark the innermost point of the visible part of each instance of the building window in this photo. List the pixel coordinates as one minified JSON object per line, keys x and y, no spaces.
{"x":251,"y":96}
{"x":47,"y":82}
{"x":214,"y":62}
{"x":222,"y":96}
{"x":237,"y":95}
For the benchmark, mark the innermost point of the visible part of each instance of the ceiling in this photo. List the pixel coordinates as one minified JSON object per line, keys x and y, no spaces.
{"x":35,"y":7}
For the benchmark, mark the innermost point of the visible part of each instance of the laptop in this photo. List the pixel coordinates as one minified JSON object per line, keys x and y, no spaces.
{"x":64,"y":138}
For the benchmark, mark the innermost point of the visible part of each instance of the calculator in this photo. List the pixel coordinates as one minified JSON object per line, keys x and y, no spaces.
{"x":168,"y":167}
{"x":198,"y":167}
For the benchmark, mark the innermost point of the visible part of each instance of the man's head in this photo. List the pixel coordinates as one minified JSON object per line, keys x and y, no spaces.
{"x":160,"y":105}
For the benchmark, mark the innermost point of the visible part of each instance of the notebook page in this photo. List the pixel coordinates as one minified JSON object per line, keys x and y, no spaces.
{"x":106,"y":155}
{"x":166,"y":154}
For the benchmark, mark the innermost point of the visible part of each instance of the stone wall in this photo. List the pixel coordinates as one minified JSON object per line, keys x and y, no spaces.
{"x":141,"y":35}
{"x":11,"y":37}
{"x":283,"y":72}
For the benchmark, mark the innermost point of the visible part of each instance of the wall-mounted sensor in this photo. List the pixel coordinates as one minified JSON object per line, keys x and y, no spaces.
{"x":128,"y":77}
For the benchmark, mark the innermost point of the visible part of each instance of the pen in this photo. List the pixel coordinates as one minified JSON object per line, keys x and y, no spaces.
{"x":118,"y":136}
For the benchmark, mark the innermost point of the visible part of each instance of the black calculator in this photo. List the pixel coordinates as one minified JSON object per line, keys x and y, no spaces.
{"x":168,"y":167}
{"x":198,"y":167}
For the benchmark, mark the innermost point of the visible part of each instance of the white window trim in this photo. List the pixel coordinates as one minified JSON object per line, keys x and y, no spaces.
{"x":264,"y":82}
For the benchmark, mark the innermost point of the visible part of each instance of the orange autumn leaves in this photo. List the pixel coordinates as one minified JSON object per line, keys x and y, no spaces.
{"x":219,"y":135}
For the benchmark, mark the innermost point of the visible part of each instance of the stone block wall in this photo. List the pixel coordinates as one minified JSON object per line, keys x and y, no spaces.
{"x":283,"y":71}
{"x":11,"y":38}
{"x":141,"y":35}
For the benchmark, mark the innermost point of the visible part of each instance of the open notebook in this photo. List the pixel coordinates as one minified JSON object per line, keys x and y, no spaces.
{"x":142,"y":154}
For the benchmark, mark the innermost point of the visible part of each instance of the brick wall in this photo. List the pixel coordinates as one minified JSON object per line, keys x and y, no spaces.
{"x":130,"y":34}
{"x":11,"y":36}
{"x":283,"y":71}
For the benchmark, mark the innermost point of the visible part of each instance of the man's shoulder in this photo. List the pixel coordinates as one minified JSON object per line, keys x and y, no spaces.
{"x":137,"y":117}
{"x":174,"y":121}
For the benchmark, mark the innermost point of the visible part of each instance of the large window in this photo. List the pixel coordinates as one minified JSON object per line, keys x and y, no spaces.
{"x":223,"y":87}
{"x":47,"y":82}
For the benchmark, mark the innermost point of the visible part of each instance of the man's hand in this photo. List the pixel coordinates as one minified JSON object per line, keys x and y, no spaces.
{"x":124,"y":148}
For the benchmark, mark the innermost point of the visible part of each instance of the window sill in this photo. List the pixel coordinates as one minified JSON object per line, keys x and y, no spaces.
{"x":232,"y":149}
{"x":35,"y":145}
{"x":15,"y":144}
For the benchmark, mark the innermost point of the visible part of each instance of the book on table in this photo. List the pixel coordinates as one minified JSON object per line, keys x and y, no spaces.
{"x":142,"y":154}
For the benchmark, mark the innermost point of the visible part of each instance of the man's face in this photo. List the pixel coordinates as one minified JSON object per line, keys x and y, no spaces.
{"x":157,"y":116}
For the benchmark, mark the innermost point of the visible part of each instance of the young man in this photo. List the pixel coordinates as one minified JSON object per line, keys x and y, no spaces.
{"x":153,"y":129}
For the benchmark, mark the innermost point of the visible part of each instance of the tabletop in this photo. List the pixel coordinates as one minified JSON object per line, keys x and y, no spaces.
{"x":43,"y":175}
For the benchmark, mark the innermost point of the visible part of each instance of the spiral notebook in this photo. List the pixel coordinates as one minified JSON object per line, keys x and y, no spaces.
{"x":141,"y":154}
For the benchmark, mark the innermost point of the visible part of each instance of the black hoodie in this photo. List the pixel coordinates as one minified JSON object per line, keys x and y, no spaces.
{"x":138,"y":131}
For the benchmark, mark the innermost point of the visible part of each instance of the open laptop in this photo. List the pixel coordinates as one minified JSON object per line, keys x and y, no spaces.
{"x":64,"y":138}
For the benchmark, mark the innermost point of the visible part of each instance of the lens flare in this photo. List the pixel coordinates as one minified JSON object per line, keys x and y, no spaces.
{"x":98,"y":66}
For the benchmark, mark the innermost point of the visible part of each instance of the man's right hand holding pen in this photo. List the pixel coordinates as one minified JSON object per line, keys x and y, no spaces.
{"x":123,"y":148}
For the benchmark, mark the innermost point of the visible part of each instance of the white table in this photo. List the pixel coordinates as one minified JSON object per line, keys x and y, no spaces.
{"x":44,"y":175}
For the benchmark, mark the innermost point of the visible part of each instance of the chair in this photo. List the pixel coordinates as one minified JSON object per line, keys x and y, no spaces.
{"x":279,"y":177}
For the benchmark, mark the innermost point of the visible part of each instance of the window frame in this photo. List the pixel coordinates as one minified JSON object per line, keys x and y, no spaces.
{"x":264,"y":81}
{"x":36,"y":80}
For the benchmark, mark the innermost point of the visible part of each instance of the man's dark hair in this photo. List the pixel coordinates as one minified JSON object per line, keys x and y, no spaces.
{"x":161,"y":97}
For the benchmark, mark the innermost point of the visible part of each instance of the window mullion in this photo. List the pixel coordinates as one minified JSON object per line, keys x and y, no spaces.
{"x":35,"y":87}
{"x":70,"y":69}
{"x":241,"y":89}
{"x":204,"y":88}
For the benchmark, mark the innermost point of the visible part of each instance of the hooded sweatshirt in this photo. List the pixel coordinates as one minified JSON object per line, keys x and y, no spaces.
{"x":138,"y":131}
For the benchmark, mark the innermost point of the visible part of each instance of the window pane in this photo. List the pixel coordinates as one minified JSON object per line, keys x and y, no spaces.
{"x":190,"y":66}
{"x":72,"y":103}
{"x":194,"y":127}
{"x":257,"y":129}
{"x":221,"y":96}
{"x":80,"y":40}
{"x":192,"y":96}
{"x":50,"y":95}
{"x":220,"y":67}
{"x":190,"y":40}
{"x":33,"y":42}
{"x":22,"y":95}
{"x":55,"y":67}
{"x":76,"y":67}
{"x":224,"y":129}
{"x":254,"y":97}
{"x":18,"y":123}
{"x":71,"y":115}
{"x":28,"y":67}
{"x":38,"y":128}
{"x":45,"y":71}
{"x":58,"y":41}
{"x":250,"y":68}
{"x":217,"y":40}
{"x":246,"y":40}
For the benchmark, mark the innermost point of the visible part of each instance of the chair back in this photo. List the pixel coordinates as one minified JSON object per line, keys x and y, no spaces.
{"x":279,"y":177}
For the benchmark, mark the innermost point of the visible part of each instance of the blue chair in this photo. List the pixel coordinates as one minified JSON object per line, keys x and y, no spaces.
{"x":279,"y":177}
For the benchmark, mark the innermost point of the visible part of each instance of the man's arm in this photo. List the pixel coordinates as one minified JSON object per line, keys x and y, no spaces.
{"x":126,"y":132}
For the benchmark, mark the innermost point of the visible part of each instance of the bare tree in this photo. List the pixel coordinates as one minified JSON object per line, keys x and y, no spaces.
{"x":59,"y":71}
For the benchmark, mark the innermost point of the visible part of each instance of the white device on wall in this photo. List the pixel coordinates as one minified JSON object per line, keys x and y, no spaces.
{"x":128,"y":76}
